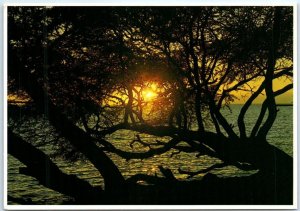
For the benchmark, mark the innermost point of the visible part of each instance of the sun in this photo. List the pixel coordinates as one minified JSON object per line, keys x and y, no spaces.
{"x":149,"y":95}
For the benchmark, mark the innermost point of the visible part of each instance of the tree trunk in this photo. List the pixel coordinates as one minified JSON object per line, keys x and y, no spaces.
{"x":40,"y":166}
{"x":114,"y":181}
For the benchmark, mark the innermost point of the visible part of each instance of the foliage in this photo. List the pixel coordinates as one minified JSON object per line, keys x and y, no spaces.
{"x":163,"y":71}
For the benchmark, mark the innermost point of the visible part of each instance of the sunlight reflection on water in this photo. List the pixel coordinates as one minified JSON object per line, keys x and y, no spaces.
{"x":20,"y":186}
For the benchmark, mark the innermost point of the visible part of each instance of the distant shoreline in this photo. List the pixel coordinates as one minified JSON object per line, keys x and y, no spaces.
{"x":279,"y":104}
{"x":284,"y":104}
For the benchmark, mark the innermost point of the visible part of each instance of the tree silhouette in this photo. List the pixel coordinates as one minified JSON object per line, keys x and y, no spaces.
{"x":162,"y":71}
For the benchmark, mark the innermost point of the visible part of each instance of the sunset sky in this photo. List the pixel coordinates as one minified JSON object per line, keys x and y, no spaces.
{"x":286,"y":98}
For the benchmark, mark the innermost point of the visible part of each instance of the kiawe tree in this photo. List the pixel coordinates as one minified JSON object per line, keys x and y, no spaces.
{"x":166,"y":72}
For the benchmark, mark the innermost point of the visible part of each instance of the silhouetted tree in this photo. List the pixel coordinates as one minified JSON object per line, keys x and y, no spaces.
{"x":87,"y":69}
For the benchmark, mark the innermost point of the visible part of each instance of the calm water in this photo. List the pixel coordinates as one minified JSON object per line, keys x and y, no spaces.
{"x":20,"y":186}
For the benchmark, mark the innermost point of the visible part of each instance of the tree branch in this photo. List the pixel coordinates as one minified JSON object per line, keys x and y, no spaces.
{"x":264,"y":109}
{"x":202,"y":171}
{"x":40,"y":166}
{"x":77,"y":137}
{"x":248,"y":103}
{"x":272,"y":57}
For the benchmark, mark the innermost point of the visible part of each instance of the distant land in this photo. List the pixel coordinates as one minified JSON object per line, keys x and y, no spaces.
{"x":284,"y":104}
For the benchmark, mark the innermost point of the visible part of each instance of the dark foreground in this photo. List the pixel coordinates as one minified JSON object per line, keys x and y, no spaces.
{"x":211,"y":190}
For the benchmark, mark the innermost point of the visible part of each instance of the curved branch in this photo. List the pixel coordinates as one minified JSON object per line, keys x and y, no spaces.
{"x":259,"y":119}
{"x":202,"y":171}
{"x":40,"y":166}
{"x":241,"y":123}
{"x":272,"y":57}
{"x":78,"y":138}
{"x":264,"y":109}
{"x":141,"y":155}
{"x":222,"y":120}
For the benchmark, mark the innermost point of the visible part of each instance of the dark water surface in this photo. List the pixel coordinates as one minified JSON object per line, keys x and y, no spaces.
{"x":20,"y":186}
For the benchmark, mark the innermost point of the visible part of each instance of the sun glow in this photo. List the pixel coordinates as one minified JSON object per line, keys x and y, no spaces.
{"x":151,"y":92}
{"x":149,"y":95}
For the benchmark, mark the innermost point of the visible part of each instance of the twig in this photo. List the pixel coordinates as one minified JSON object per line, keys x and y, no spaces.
{"x":192,"y":174}
{"x":139,"y":140}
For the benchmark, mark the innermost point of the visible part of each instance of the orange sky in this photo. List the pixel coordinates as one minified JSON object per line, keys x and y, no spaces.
{"x":286,"y":98}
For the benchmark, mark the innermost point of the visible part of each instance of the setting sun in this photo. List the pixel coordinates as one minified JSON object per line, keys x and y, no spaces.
{"x":149,"y":94}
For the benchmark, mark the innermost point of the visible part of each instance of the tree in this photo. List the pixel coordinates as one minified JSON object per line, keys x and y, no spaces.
{"x":193,"y":59}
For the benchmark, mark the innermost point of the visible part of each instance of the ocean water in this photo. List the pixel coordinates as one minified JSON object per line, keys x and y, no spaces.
{"x":24,"y":187}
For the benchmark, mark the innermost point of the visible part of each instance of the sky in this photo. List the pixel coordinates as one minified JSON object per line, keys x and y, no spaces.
{"x":286,"y":98}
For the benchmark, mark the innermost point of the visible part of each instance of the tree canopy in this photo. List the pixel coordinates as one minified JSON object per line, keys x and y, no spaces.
{"x":162,"y":71}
